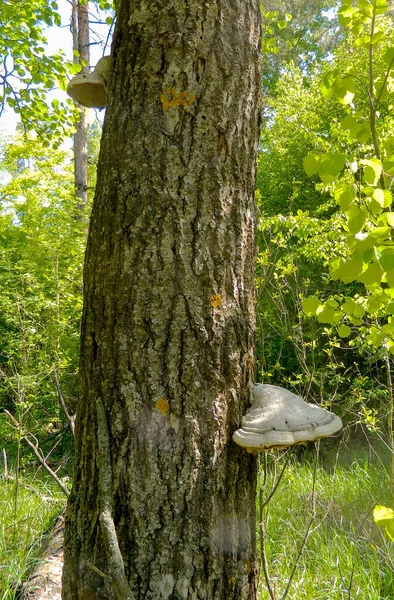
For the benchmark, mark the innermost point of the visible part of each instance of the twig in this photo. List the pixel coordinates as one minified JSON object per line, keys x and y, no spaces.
{"x":46,"y":466}
{"x":263,"y":554}
{"x":4,"y":453}
{"x":372,"y":105}
{"x":309,"y":529}
{"x":279,"y":479}
{"x":348,"y":587}
{"x":262,"y":504}
{"x":70,"y":418}
{"x":390,"y":411}
{"x":38,"y":455}
{"x":116,"y":572}
{"x":31,"y":488}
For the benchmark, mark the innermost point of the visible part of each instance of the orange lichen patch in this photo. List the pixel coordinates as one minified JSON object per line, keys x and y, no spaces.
{"x":215,"y":300}
{"x":171,"y":98}
{"x":162,"y":406}
{"x":231,"y":580}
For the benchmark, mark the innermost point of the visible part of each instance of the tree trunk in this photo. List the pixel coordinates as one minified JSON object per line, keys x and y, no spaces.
{"x":168,"y":323}
{"x":80,"y":30}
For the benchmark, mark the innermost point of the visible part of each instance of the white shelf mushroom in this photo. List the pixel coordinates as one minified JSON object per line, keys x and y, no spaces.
{"x":278,"y":418}
{"x":90,"y":89}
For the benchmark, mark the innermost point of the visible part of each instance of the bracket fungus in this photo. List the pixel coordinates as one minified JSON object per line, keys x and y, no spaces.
{"x":278,"y":418}
{"x":90,"y":89}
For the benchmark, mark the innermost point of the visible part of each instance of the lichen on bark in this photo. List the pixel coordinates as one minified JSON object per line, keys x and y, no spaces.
{"x":172,"y":231}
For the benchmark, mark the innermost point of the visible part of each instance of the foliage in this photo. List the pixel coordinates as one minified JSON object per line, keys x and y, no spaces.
{"x":22,"y":532}
{"x":298,"y":119}
{"x":321,"y":256}
{"x":296,"y":31}
{"x":28,"y":72}
{"x":41,"y":245}
{"x":346,"y":556}
{"x":362,"y":189}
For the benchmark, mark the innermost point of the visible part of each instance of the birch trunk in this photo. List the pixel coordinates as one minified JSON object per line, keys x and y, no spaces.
{"x":168,"y":322}
{"x":80,"y":29}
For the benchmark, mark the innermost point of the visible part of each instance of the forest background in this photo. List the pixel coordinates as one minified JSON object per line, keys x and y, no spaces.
{"x":324,"y":282}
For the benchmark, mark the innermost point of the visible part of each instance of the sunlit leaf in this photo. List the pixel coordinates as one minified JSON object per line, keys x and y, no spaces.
{"x":311,"y":164}
{"x":344,"y":331}
{"x":310,"y":305}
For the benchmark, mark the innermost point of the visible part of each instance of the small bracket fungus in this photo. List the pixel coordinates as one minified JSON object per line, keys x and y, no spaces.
{"x":278,"y":419}
{"x":90,"y":89}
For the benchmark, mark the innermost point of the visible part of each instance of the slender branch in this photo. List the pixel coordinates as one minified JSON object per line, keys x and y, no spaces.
{"x":390,"y":411}
{"x":309,"y":529}
{"x":262,"y":533}
{"x":70,"y":418}
{"x":41,"y":459}
{"x":384,"y":83}
{"x":45,"y":465}
{"x":372,"y":106}
{"x":116,"y":572}
{"x":4,"y":453}
{"x":279,"y":479}
{"x":108,"y":36}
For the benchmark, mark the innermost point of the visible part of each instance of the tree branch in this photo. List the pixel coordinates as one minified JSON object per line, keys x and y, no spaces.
{"x":41,"y":459}
{"x":70,"y":418}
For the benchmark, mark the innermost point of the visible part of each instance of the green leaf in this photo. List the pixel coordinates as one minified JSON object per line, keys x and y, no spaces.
{"x":326,"y":87}
{"x":388,"y":56}
{"x":381,"y":233}
{"x":331,"y":164}
{"x":378,"y":195}
{"x":345,"y":195}
{"x":386,"y":258}
{"x":363,"y":241}
{"x":371,"y":276}
{"x":310,"y":305}
{"x":388,"y":328}
{"x":390,"y":278}
{"x":374,"y":207}
{"x":357,"y":222}
{"x":326,"y":315}
{"x":345,"y":15}
{"x":376,"y":336}
{"x":344,"y":331}
{"x":346,"y":270}
{"x":311,"y":164}
{"x":377,"y":36}
{"x":350,"y":124}
{"x":388,"y":142}
{"x":380,"y":6}
{"x":353,"y":308}
{"x":372,"y":170}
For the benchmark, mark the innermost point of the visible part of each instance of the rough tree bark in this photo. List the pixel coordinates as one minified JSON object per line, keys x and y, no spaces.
{"x":168,"y":323}
{"x":80,"y":31}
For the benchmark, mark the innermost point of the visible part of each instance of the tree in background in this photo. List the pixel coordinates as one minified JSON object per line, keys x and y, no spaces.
{"x":80,"y":31}
{"x":163,"y":502}
{"x":41,"y":248}
{"x":329,"y":254}
{"x":28,"y":72}
{"x":304,"y":33}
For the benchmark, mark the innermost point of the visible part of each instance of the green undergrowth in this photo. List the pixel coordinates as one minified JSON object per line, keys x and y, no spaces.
{"x":346,"y":556}
{"x":22,"y":531}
